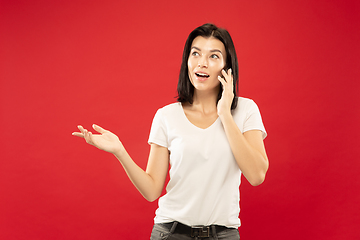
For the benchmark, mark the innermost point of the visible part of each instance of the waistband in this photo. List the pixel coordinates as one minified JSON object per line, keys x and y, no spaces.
{"x":194,"y":231}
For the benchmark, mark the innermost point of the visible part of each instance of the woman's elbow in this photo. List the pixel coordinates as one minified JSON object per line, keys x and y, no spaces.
{"x":257,"y":181}
{"x":258,"y":178}
{"x":151,"y":197}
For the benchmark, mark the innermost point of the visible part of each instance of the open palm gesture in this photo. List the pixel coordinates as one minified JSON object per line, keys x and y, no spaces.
{"x":106,"y":140}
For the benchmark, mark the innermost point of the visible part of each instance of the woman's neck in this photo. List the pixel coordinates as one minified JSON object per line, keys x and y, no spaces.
{"x":205,"y":101}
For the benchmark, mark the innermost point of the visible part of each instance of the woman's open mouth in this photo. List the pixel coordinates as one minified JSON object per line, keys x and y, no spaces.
{"x":202,"y":75}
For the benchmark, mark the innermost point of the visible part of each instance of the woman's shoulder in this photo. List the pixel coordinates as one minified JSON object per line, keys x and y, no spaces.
{"x":243,"y":101}
{"x":245,"y":106}
{"x":170,"y":108}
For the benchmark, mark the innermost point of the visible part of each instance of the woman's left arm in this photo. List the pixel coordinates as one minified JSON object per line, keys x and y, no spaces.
{"x":248,"y":148}
{"x":249,"y":151}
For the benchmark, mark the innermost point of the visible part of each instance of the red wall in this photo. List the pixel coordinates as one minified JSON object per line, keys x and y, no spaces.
{"x":114,"y":64}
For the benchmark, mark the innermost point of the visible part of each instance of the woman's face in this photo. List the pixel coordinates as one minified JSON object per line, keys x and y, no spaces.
{"x":206,"y":60}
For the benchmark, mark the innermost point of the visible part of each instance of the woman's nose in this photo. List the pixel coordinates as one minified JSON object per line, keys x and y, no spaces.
{"x":203,"y":62}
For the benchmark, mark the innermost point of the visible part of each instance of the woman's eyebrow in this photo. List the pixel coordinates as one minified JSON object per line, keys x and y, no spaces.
{"x":216,"y":50}
{"x":193,"y":47}
{"x":213,"y":50}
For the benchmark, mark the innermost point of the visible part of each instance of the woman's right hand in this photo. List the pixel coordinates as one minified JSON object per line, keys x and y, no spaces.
{"x":106,"y":140}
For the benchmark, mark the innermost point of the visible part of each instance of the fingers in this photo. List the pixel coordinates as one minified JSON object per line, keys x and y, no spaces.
{"x":99,"y":129}
{"x":79,"y":134}
{"x":227,"y":81}
{"x":88,"y":137}
{"x":227,"y":75}
{"x":223,"y":82}
{"x":83,"y":130}
{"x":84,"y":133}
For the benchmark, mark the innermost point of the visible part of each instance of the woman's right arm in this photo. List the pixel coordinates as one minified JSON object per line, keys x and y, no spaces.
{"x":150,"y":183}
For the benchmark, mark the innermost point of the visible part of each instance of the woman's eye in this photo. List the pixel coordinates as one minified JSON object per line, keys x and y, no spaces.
{"x":195,"y":54}
{"x":214,"y":56}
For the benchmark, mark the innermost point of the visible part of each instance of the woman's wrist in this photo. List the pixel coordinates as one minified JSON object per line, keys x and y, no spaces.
{"x":120,"y":153}
{"x":224,"y":116}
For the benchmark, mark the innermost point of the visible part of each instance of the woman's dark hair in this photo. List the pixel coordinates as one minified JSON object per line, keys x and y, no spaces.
{"x":185,"y":88}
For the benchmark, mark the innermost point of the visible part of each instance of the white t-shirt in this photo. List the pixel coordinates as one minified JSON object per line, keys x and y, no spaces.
{"x":204,"y":176}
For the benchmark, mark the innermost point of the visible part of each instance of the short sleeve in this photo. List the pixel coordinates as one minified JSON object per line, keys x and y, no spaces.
{"x":158,"y":133}
{"x":253,"y":119}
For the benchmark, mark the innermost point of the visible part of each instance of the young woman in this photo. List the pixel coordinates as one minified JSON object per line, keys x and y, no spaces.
{"x":210,"y":137}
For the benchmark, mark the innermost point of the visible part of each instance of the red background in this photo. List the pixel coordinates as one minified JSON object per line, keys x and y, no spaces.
{"x":115,"y":63}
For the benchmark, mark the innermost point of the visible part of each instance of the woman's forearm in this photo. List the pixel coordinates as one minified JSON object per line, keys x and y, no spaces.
{"x":149,"y":183}
{"x":248,"y":151}
{"x":141,"y":180}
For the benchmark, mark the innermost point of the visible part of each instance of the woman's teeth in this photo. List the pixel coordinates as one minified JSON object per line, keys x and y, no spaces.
{"x":202,"y":75}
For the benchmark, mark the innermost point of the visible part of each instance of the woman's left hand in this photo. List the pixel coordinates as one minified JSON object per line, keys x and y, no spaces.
{"x":224,"y":104}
